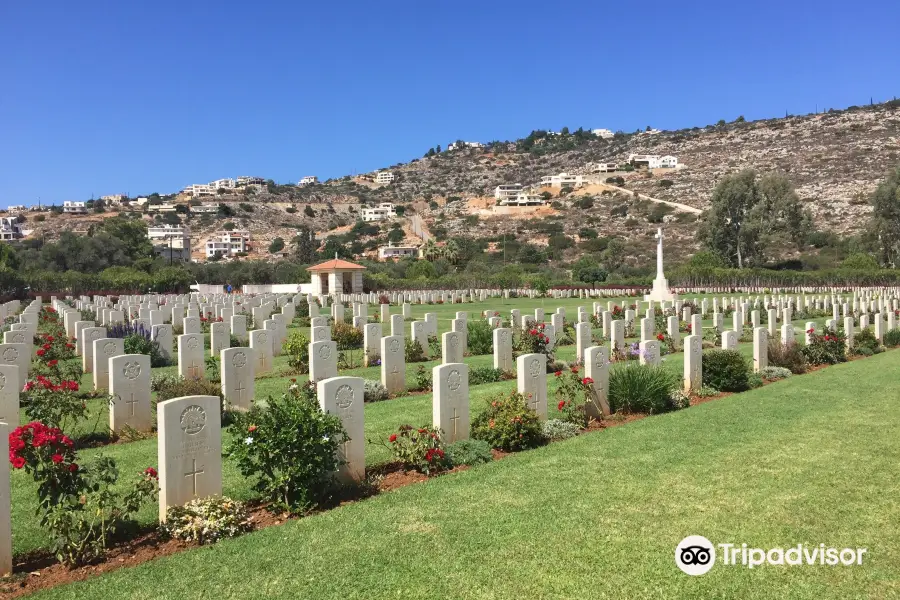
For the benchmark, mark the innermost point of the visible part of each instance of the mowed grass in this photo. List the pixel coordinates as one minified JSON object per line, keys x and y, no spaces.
{"x":811,"y":459}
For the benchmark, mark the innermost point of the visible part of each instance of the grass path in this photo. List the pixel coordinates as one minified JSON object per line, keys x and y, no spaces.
{"x":811,"y":459}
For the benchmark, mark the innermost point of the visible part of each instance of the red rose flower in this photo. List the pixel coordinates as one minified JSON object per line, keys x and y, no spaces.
{"x":17,"y":462}
{"x":575,"y":369}
{"x":252,"y":428}
{"x":561,"y":404}
{"x":151,"y":472}
{"x":660,"y":337}
{"x":57,"y":458}
{"x":41,"y":352}
{"x":52,"y":363}
{"x":46,"y":346}
{"x":73,"y":468}
{"x":558,"y":373}
{"x":393,"y":438}
{"x":587,"y":381}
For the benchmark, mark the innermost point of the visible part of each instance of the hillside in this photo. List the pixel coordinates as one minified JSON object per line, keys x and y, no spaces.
{"x":834,"y":159}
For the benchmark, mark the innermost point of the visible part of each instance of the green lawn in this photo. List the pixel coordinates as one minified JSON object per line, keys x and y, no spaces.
{"x":811,"y":459}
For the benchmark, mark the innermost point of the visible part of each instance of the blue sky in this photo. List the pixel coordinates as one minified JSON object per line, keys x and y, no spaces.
{"x":107,"y":97}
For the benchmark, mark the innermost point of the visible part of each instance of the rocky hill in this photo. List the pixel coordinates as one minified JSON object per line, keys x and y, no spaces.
{"x":834,"y":159}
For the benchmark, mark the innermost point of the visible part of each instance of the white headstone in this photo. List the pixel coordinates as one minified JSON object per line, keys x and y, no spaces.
{"x":343,"y":397}
{"x":531,"y":381}
{"x":191,"y":363}
{"x":393,"y":364}
{"x":693,"y":363}
{"x":189,"y":449}
{"x":129,"y":387}
{"x":104,"y":349}
{"x":238,"y":385}
{"x":503,"y":349}
{"x":322,"y":360}
{"x":261,"y":342}
{"x":596,"y":367}
{"x":450,"y":406}
{"x":451,"y":347}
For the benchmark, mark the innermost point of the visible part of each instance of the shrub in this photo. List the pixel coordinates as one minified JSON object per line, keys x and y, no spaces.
{"x":53,"y":402}
{"x":480,"y":375}
{"x":789,"y":356}
{"x":508,"y":424}
{"x":374,"y":391}
{"x":206,"y":520}
{"x":176,"y":387}
{"x":641,"y":388}
{"x":576,"y":398}
{"x":346,"y":336}
{"x":532,"y":341}
{"x":296,"y":346}
{"x":865,"y":340}
{"x":469,"y":452}
{"x":289,"y":449}
{"x":81,"y":505}
{"x":892,"y":338}
{"x":414,"y":351}
{"x":726,"y":370}
{"x":138,"y":340}
{"x":557,"y":429}
{"x":420,"y":449}
{"x":775,"y":373}
{"x":827,"y":348}
{"x":236,"y":342}
{"x":423,"y":379}
{"x":480,"y":338}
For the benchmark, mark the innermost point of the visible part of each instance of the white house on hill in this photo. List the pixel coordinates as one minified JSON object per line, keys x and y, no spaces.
{"x":72,"y":207}
{"x":383,"y":211}
{"x":384,"y":177}
{"x":507,"y":190}
{"x":309,"y":180}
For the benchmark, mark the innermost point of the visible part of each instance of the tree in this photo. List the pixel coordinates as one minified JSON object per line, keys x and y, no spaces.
{"x":613,"y":255}
{"x":587,"y":270}
{"x":228,"y":226}
{"x":276,"y":246}
{"x":886,"y":217}
{"x":437,"y":149}
{"x":451,"y":251}
{"x":564,"y":131}
{"x":783,"y":211}
{"x":430,"y":250}
{"x":421,"y":269}
{"x":308,"y":211}
{"x":400,"y":210}
{"x":860,"y":262}
{"x":707,"y":260}
{"x":732,"y":227}
{"x":305,"y":245}
{"x":396,"y":235}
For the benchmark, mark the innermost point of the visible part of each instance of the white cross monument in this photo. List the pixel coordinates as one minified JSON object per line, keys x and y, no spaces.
{"x":660,"y":291}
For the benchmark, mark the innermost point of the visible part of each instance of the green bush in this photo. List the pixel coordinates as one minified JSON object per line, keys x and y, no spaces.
{"x":296,"y":346}
{"x":178,"y":387}
{"x":346,"y":336}
{"x":508,"y":424}
{"x":206,"y":520}
{"x":827,"y":348}
{"x":480,"y":338}
{"x":789,"y":356}
{"x":865,"y":340}
{"x":892,"y":338}
{"x":423,"y":379}
{"x":289,"y":449}
{"x":726,"y":370}
{"x":557,"y":429}
{"x":469,"y":452}
{"x":641,"y":388}
{"x":420,"y":449}
{"x":414,"y":351}
{"x":480,"y":375}
{"x":374,"y":391}
{"x":774,"y":373}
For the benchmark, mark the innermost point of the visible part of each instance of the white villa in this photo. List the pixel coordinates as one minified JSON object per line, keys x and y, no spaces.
{"x":9,"y":229}
{"x":603,"y":133}
{"x":201,"y":189}
{"x":523,"y":199}
{"x":652,"y":161}
{"x":461,"y":145}
{"x":114,"y":198}
{"x":228,"y":243}
{"x":72,"y":207}
{"x":384,"y":177}
{"x":390,"y":252}
{"x":564,"y":180}
{"x":604,"y":167}
{"x":17,"y":208}
{"x":247,"y":180}
{"x":507,"y":190}
{"x":309,"y":180}
{"x":172,"y":241}
{"x":161,"y":208}
{"x":208,"y":209}
{"x":383,"y":211}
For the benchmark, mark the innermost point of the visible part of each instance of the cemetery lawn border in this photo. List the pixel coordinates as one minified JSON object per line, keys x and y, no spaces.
{"x":808,"y":460}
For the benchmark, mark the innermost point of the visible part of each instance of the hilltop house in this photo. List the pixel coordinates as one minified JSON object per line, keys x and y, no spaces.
{"x":10,"y":229}
{"x":385,"y":210}
{"x":384,"y":177}
{"x":391,"y":252}
{"x":603,"y":133}
{"x":228,"y":243}
{"x":171,"y":241}
{"x":522,"y":199}
{"x":308,"y":180}
{"x":652,"y":161}
{"x":563,"y":180}
{"x":507,"y":190}
{"x":71,"y":207}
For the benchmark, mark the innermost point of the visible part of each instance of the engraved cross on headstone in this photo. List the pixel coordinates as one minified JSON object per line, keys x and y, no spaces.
{"x":131,"y":402}
{"x":240,"y":390}
{"x":194,"y":368}
{"x":193,"y":474}
{"x":455,"y":420}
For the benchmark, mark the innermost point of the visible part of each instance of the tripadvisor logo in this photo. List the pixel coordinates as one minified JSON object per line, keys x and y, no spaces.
{"x":696,"y":555}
